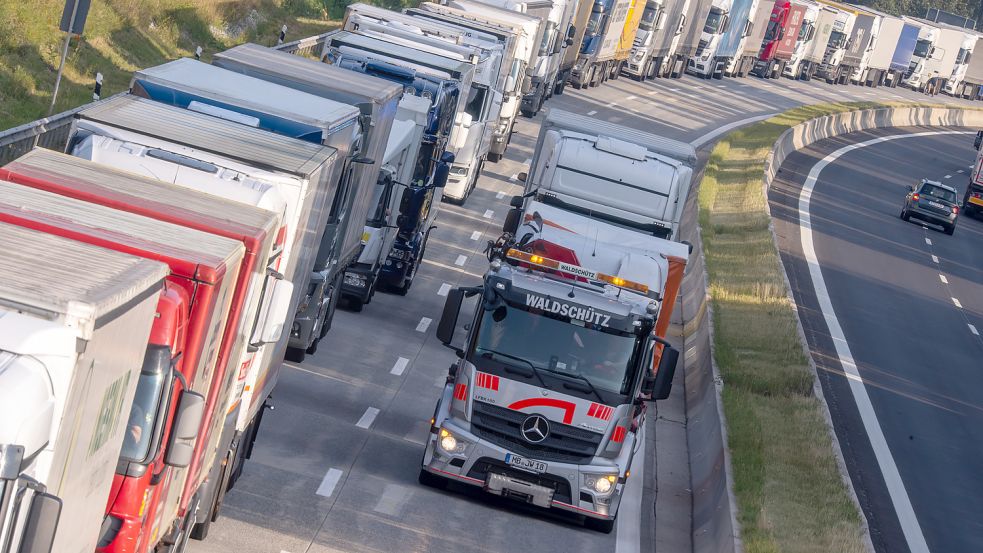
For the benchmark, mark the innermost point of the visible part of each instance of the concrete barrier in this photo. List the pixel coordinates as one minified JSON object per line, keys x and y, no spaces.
{"x":715,"y":527}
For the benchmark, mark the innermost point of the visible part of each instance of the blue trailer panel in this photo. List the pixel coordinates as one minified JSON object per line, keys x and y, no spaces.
{"x":906,"y":45}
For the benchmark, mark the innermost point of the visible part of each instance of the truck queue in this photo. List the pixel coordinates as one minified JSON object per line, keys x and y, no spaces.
{"x":196,"y":231}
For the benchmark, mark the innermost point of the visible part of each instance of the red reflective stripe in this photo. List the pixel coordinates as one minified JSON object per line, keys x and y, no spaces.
{"x":619,"y":434}
{"x":494,"y":383}
{"x":568,"y":407}
{"x":592,"y":411}
{"x":599,"y":411}
{"x":461,"y":391}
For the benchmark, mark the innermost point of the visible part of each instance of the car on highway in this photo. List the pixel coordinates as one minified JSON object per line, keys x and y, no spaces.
{"x":934,"y":203}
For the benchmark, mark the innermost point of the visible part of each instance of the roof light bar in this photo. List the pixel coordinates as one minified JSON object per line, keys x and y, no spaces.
{"x":576,"y":270}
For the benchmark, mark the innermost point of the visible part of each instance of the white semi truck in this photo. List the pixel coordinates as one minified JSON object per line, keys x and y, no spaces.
{"x":706,"y":62}
{"x":953,"y":84}
{"x":917,"y":75}
{"x":74,"y":324}
{"x":545,"y":405}
{"x":805,"y":45}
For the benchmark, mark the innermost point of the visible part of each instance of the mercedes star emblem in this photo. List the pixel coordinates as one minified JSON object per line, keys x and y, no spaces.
{"x":535,"y":428}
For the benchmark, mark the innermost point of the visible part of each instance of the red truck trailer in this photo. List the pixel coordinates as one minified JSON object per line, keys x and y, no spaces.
{"x":204,"y":271}
{"x":260,"y":313}
{"x":780,"y":38}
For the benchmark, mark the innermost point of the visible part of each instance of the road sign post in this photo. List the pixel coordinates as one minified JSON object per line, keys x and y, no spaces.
{"x":72,"y":23}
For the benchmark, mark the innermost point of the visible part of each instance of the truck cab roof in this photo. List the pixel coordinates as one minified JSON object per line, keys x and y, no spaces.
{"x":453,"y":68}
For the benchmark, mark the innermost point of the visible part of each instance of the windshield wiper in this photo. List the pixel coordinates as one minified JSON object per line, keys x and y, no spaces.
{"x":582,"y":378}
{"x":487,"y":353}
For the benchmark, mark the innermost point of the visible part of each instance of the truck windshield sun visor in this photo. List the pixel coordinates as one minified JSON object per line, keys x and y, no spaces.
{"x":551,"y":344}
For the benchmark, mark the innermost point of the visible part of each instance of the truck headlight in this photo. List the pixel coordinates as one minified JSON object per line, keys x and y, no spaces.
{"x":450,"y":444}
{"x":602,"y":484}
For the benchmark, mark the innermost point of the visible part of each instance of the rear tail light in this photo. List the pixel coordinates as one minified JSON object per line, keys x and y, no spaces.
{"x":915,"y":196}
{"x":955,"y":210}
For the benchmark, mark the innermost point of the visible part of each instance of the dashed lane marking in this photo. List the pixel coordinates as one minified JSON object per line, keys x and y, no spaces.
{"x":955,"y":301}
{"x":943,"y":279}
{"x":591,"y":112}
{"x":367,"y":418}
{"x":461,"y":260}
{"x":973,"y":330}
{"x":424,"y":324}
{"x":935,"y":259}
{"x":488,"y":214}
{"x":476,"y":235}
{"x":444,"y":288}
{"x":928,"y":241}
{"x":329,"y":482}
{"x":399,"y":366}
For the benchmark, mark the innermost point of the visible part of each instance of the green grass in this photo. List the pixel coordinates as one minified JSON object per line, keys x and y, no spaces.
{"x":124,"y":35}
{"x":790,"y":495}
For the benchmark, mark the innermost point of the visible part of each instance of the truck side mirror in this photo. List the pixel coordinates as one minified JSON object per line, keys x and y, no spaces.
{"x":979,"y":140}
{"x":512,"y":219}
{"x":41,"y":524}
{"x":187,"y":421}
{"x":659,"y":386}
{"x":443,"y":170}
{"x":571,"y":32}
{"x":448,"y":319}
{"x":271,"y":327}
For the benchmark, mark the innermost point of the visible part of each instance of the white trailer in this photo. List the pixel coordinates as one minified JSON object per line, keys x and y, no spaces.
{"x":705,"y":62}
{"x":806,"y":39}
{"x":954,"y":84}
{"x":804,"y":62}
{"x":74,"y":324}
{"x":918,"y":75}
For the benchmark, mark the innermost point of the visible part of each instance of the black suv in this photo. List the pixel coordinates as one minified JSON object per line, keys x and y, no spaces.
{"x":932,"y":202}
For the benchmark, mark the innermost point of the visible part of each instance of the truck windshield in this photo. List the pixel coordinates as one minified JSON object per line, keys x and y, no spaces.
{"x":476,"y":102}
{"x":140,"y":427}
{"x":922,"y":47}
{"x":804,"y":31}
{"x":553,"y":345}
{"x":714,"y":22}
{"x":837,"y":40}
{"x":649,"y":16}
{"x":962,"y":57}
{"x":771,"y":33}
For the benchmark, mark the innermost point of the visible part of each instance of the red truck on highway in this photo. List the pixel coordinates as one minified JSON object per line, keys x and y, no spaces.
{"x":780,"y":38}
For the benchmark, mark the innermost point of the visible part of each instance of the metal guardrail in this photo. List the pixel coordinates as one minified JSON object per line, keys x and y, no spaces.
{"x":52,"y":132}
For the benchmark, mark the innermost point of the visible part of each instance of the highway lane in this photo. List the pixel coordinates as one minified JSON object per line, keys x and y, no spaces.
{"x":334,"y":468}
{"x":905,"y":296}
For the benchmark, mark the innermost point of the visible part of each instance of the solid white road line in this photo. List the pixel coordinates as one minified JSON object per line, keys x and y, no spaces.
{"x":489,"y":213}
{"x":973,"y":330}
{"x":882,"y":452}
{"x":424,"y":324}
{"x":935,"y":259}
{"x":928,"y":241}
{"x":444,"y":288}
{"x":673,"y":89}
{"x":955,"y":301}
{"x":461,"y":260}
{"x":629,"y":538}
{"x":721,"y":130}
{"x":329,"y":482}
{"x":399,"y":366}
{"x":591,"y":112}
{"x":514,"y":177}
{"x":613,"y":105}
{"x":943,"y":279}
{"x":367,"y":418}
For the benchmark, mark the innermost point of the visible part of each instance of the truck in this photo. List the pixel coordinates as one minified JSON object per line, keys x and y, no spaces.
{"x":706,"y":61}
{"x":209,"y":89}
{"x":514,"y":34}
{"x":377,"y":100}
{"x":938,"y":68}
{"x":601,"y":39}
{"x":961,"y":64}
{"x":829,"y":69}
{"x":627,"y":40}
{"x":205,"y":270}
{"x":142,"y":474}
{"x":780,"y":38}
{"x":66,"y":308}
{"x":862,"y":36}
{"x":973,"y":77}
{"x":916,"y":76}
{"x":572,"y":41}
{"x":701,"y":22}
{"x":806,"y":43}
{"x":545,"y":403}
{"x":640,"y":65}
{"x":246,"y":166}
{"x":973,"y":197}
{"x":891,"y":52}
{"x":742,"y":64}
{"x":483,"y":104}
{"x":728,"y":57}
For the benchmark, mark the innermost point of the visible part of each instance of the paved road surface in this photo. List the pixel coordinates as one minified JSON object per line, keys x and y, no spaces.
{"x":335,"y":465}
{"x":905,"y":297}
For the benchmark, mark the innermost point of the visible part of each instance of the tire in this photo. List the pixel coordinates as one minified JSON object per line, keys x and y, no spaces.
{"x":558,"y":90}
{"x":431,"y":480}
{"x":528,"y":114}
{"x":312,"y":349}
{"x":904,"y":215}
{"x":949,"y":229}
{"x":356,"y":304}
{"x":294,"y":355}
{"x":599,"y":525}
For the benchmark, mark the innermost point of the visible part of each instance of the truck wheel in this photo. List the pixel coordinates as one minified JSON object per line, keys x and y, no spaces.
{"x":312,"y":349}
{"x":599,"y":525}
{"x":433,"y":481}
{"x":355,"y":304}
{"x":294,"y":355}
{"x":949,"y":229}
{"x":558,"y":90}
{"x":904,"y":214}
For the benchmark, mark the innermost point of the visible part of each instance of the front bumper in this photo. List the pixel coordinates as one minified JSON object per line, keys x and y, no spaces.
{"x":483,"y":465}
{"x":532,"y":99}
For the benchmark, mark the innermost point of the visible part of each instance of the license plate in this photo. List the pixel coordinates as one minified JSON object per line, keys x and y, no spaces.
{"x":936,"y":204}
{"x":975,"y":200}
{"x":354,"y":281}
{"x":521,"y":463}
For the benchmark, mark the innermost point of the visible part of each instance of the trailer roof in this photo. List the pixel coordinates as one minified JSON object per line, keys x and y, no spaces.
{"x":189,"y":253}
{"x":502,"y":31}
{"x":310,"y":76}
{"x":255,"y":147}
{"x":49,"y":273}
{"x":89,"y":181}
{"x":657,"y":144}
{"x":496,"y":12}
{"x":227,"y":86}
{"x":398,"y":51}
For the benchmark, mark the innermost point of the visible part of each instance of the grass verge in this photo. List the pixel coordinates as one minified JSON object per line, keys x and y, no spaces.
{"x":124,"y":35}
{"x":789,"y":492}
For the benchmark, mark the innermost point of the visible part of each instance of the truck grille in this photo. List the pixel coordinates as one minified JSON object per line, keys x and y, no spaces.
{"x":565,"y":444}
{"x":484,"y":465}
{"x":701,"y":47}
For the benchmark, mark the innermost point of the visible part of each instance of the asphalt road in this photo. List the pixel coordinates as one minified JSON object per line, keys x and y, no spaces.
{"x":335,"y":465}
{"x":909,"y":300}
